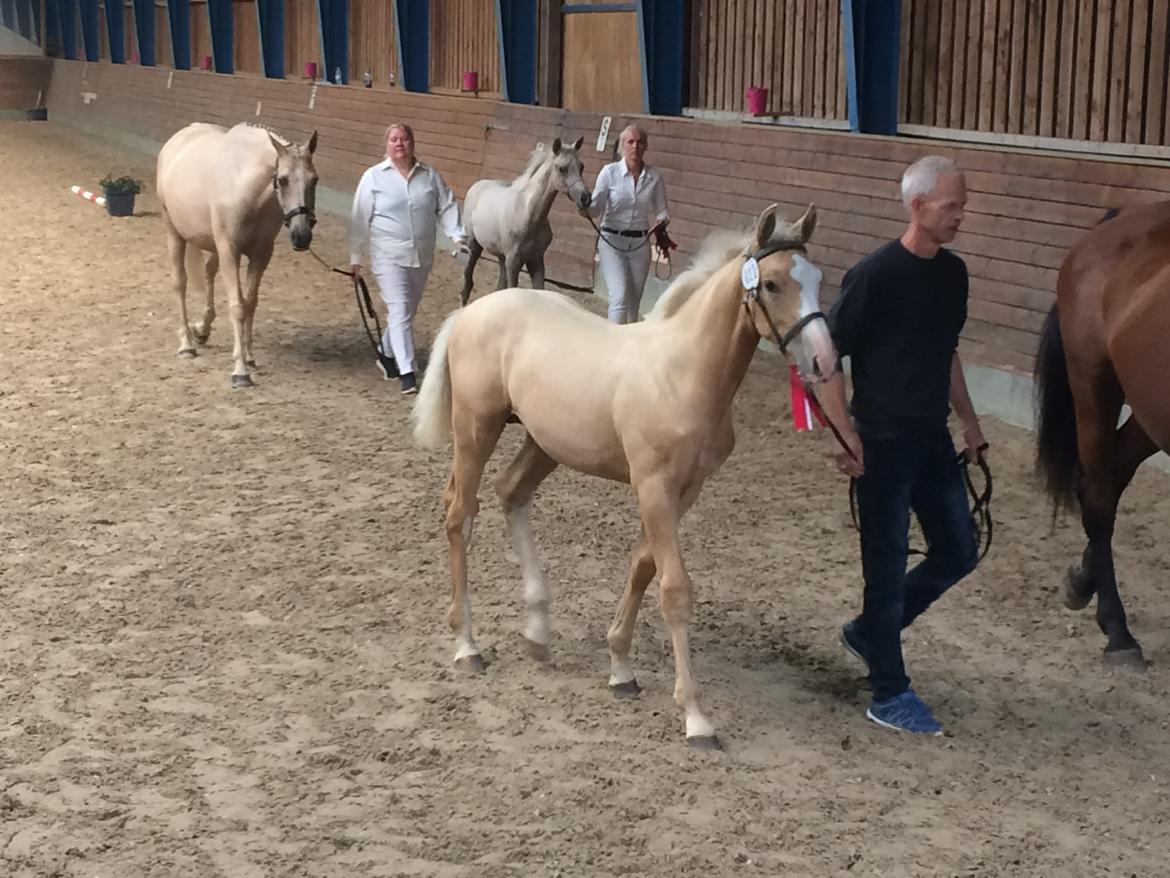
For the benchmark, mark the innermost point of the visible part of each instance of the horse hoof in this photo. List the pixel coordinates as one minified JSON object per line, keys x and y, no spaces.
{"x":538,"y":651}
{"x":1077,"y":591}
{"x":705,"y":743}
{"x":202,"y":339}
{"x":242,"y":381}
{"x":628,"y":689}
{"x":472,"y":664}
{"x":251,"y":364}
{"x":188,"y":354}
{"x":1131,"y":659}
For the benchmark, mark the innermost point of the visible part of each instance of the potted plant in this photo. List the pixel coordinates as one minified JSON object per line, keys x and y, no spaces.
{"x":120,"y":192}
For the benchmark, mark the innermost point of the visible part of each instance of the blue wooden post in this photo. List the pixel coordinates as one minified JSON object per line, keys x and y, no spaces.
{"x":412,"y":30}
{"x":516,"y":36}
{"x":34,"y":7}
{"x":8,"y":14}
{"x":54,"y":42}
{"x":271,"y":15}
{"x":220,"y":14}
{"x":89,"y":30}
{"x":333,"y":16}
{"x":23,"y":20}
{"x":144,"y":25}
{"x":661,"y":26}
{"x":873,"y":39}
{"x":115,"y":31}
{"x":179,"y":16}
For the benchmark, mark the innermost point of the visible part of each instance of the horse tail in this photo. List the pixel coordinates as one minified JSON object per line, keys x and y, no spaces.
{"x":1057,"y":458}
{"x":432,"y":411}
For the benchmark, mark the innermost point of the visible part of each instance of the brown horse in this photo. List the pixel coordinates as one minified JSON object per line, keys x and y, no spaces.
{"x":648,"y":404}
{"x":1104,"y":345}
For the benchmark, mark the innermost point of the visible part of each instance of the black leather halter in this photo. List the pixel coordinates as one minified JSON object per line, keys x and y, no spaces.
{"x":753,"y":295}
{"x":296,"y":211}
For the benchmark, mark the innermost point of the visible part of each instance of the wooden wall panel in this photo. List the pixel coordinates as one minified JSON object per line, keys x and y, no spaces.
{"x":302,"y":38}
{"x":200,"y":33}
{"x":463,"y":37}
{"x":602,"y":68}
{"x":1026,"y":207}
{"x":372,"y":46}
{"x":245,"y":37}
{"x":794,"y":49}
{"x":21,"y":78}
{"x":1071,"y":69}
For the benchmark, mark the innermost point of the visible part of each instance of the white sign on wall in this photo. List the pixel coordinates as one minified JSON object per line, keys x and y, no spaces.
{"x":603,"y":134}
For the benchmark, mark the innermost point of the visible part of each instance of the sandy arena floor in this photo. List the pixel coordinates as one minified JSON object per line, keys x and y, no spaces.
{"x":223,"y":647}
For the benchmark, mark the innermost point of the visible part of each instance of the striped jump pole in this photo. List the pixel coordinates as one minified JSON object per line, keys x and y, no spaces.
{"x":89,"y":196}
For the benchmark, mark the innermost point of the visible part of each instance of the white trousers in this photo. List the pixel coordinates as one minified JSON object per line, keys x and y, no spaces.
{"x":401,"y":288}
{"x":625,"y":274}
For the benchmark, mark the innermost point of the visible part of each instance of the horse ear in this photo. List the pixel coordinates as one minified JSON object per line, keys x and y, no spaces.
{"x":577,"y":144}
{"x":280,"y":147}
{"x":557,"y":146}
{"x":766,"y":225}
{"x":803,"y":227}
{"x":313,"y":142}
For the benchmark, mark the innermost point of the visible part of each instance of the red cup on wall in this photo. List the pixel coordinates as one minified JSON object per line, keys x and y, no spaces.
{"x":310,"y":70}
{"x":757,"y":100}
{"x":470,"y":80}
{"x":205,"y":64}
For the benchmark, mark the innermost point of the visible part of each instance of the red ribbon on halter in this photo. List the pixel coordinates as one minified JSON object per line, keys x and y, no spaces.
{"x":804,"y":407}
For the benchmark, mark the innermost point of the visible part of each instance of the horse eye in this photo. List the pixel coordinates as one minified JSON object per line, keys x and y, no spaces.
{"x":283,"y":180}
{"x":770,"y":286}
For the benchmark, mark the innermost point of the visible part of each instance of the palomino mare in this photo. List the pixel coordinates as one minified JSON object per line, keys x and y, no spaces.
{"x":227,"y":193}
{"x":648,"y":404}
{"x":1103,"y":345}
{"x":510,"y":220}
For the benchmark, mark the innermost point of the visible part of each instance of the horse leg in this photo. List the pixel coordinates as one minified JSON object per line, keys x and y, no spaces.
{"x":210,"y":268}
{"x":229,"y":261}
{"x":660,"y":505}
{"x":515,"y":263}
{"x":502,"y":281}
{"x":475,"y":250}
{"x":515,"y":487}
{"x":177,"y":248}
{"x":536,"y":272}
{"x":622,"y":681}
{"x":256,"y":267}
{"x":474,"y":440}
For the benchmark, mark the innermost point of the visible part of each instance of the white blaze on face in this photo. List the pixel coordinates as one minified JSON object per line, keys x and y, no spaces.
{"x":815,"y":338}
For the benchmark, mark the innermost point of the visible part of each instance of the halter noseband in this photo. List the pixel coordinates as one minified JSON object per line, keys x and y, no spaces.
{"x":296,"y":211}
{"x":750,"y":277}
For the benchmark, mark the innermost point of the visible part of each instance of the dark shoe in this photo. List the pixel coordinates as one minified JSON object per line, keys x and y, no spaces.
{"x":905,"y":713}
{"x":388,"y":366}
{"x":408,"y":382}
{"x":853,"y":643}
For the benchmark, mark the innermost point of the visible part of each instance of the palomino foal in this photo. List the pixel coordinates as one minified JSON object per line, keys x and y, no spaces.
{"x":227,"y":193}
{"x":510,"y":220}
{"x":645,"y":403}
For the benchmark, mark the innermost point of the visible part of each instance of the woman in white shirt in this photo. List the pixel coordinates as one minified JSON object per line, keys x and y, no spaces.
{"x":630,"y":198}
{"x":396,"y":209}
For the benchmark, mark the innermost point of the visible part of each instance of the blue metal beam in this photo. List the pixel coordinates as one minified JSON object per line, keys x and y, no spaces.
{"x":8,"y":14}
{"x":115,"y":31}
{"x":24,"y":20}
{"x":219,"y":13}
{"x":412,"y":30}
{"x":179,"y":16}
{"x":144,"y":25}
{"x":873,"y":38}
{"x":661,"y":28}
{"x":271,"y":15}
{"x":35,"y":8}
{"x":54,"y":42}
{"x":516,"y":36}
{"x":89,"y":30}
{"x":333,"y":16}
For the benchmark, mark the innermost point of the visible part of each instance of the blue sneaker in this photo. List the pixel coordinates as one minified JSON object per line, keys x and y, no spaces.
{"x":853,"y":643}
{"x":905,"y":713}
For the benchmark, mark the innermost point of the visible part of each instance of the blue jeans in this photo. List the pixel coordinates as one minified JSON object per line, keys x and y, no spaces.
{"x":905,"y":472}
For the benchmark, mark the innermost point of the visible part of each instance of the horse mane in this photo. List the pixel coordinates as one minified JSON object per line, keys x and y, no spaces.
{"x":284,"y":141}
{"x":539,"y":155}
{"x":717,"y":249}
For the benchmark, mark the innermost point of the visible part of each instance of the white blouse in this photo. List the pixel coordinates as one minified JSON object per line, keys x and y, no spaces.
{"x":394,"y":218}
{"x":625,"y":205}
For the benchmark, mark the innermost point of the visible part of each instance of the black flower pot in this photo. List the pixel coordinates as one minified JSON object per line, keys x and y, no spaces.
{"x":120,"y":203}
